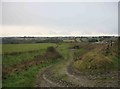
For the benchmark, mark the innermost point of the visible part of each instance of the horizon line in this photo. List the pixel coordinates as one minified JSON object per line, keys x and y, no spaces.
{"x":67,"y":36}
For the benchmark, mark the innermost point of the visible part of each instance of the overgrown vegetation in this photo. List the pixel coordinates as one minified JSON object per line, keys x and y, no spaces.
{"x":100,"y":58}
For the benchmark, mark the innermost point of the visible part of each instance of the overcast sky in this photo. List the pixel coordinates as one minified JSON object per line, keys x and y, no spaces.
{"x":59,"y":18}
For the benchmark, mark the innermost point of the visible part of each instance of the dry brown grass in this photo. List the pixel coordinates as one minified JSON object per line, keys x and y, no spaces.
{"x":97,"y":58}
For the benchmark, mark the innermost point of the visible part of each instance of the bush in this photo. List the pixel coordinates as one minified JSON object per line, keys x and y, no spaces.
{"x":52,"y":53}
{"x":51,"y":49}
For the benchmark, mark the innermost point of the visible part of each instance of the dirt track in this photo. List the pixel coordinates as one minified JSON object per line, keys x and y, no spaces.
{"x":47,"y":79}
{"x":65,"y":76}
{"x":42,"y":81}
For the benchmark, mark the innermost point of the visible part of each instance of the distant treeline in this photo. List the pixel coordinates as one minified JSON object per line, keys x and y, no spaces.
{"x":23,"y":40}
{"x":28,"y":40}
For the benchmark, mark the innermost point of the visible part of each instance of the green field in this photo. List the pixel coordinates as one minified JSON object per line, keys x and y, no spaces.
{"x":26,"y":78}
{"x":24,"y":52}
{"x":20,"y":66}
{"x":9,"y":48}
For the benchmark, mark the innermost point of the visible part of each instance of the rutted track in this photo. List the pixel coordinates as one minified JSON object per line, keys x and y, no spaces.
{"x":48,"y":79}
{"x":83,"y":81}
{"x":42,"y":81}
{"x":64,"y":75}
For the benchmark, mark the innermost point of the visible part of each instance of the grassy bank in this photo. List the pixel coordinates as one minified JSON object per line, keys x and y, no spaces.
{"x":99,"y":59}
{"x":25,"y":78}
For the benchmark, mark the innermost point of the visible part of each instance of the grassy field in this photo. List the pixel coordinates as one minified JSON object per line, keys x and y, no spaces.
{"x":23,"y":59}
{"x":22,"y":52}
{"x":9,"y":48}
{"x":26,"y":78}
